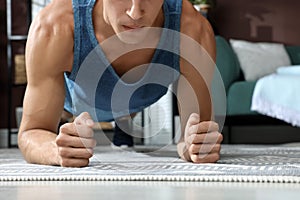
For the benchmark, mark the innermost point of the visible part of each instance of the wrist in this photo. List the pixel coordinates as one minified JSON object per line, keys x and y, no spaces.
{"x":56,"y":157}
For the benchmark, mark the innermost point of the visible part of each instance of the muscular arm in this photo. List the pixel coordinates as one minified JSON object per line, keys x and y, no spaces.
{"x":48,"y":55}
{"x":197,"y":67}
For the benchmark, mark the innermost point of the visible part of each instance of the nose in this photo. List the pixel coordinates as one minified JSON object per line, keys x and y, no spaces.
{"x":135,"y":12}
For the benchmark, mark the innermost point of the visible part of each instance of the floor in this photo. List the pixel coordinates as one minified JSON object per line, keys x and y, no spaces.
{"x":147,"y":190}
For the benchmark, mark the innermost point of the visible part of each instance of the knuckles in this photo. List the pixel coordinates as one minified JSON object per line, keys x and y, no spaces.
{"x":94,"y":143}
{"x":65,"y":128}
{"x":61,"y":140}
{"x":63,"y":152}
{"x":69,"y":163}
{"x":218,"y":147}
{"x":215,"y":157}
{"x":220,"y":137}
{"x":194,"y":149}
{"x":209,"y":158}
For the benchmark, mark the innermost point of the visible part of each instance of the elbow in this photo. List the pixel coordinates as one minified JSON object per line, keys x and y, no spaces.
{"x":23,"y":145}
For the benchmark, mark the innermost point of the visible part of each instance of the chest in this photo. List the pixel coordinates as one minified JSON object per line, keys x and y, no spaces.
{"x":132,"y":65}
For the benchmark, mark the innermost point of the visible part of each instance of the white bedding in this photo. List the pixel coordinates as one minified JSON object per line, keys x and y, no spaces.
{"x":278,"y":95}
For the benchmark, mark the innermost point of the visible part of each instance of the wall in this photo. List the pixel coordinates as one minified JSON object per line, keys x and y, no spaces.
{"x":258,"y":20}
{"x":19,"y":27}
{"x":3,"y":78}
{"x":19,"y":13}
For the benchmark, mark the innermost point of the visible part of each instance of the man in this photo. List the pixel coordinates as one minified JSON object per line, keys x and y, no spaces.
{"x":64,"y":34}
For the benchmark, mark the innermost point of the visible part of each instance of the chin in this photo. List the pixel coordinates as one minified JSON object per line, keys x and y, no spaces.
{"x":133,"y":36}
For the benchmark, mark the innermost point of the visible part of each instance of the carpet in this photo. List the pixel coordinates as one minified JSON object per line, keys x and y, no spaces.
{"x":238,"y":163}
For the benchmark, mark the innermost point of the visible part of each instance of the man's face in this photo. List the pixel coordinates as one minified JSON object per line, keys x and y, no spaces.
{"x":129,"y":18}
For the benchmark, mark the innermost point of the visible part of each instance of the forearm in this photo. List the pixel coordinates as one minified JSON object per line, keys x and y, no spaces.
{"x":38,"y":146}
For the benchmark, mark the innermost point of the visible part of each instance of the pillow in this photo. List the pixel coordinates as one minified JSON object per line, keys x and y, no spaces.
{"x":258,"y":59}
{"x":227,"y":62}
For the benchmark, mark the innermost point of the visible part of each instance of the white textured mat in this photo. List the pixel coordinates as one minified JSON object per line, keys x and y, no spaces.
{"x":238,"y":163}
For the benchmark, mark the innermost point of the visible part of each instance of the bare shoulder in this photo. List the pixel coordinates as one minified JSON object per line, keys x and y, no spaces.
{"x":51,"y":38}
{"x":194,"y":25}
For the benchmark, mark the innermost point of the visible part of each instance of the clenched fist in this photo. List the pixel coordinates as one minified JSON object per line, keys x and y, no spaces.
{"x":76,"y":142}
{"x":202,"y":140}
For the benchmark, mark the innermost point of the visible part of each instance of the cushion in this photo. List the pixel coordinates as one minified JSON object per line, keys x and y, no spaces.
{"x":294,"y":53}
{"x":227,"y":62}
{"x":240,"y":97}
{"x":258,"y":59}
